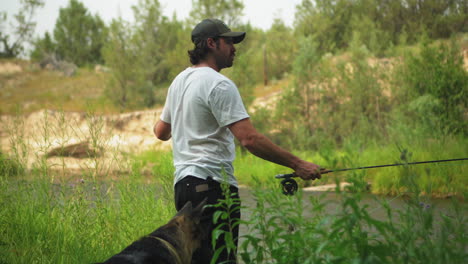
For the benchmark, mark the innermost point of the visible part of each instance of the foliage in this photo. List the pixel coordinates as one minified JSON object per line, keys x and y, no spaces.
{"x":22,"y":30}
{"x":154,"y":37}
{"x":229,"y":11}
{"x":303,"y":95}
{"x":121,"y":57}
{"x":43,"y":47}
{"x":346,"y":230}
{"x":356,"y":96}
{"x":381,"y":23}
{"x":248,"y":64}
{"x":279,"y":53}
{"x":435,"y":86}
{"x":331,"y":97}
{"x":225,"y":209}
{"x":79,"y":36}
{"x":328,"y":21}
{"x":144,"y":57}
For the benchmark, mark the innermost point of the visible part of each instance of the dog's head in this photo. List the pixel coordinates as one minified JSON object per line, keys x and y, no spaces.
{"x":188,"y":221}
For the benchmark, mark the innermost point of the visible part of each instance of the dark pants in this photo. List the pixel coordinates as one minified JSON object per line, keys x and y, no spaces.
{"x":187,"y":190}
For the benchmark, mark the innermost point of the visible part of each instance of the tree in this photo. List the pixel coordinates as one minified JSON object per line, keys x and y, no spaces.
{"x":23,"y":29}
{"x":435,"y":84}
{"x":145,"y":56}
{"x":155,"y":36}
{"x":248,"y":64}
{"x":280,"y":49}
{"x":43,"y":47}
{"x":381,"y":23}
{"x":327,"y":20}
{"x":79,"y":36}
{"x":120,"y":56}
{"x":229,"y":11}
{"x":161,"y":54}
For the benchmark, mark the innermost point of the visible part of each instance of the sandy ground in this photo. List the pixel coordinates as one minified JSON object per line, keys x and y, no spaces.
{"x":40,"y":132}
{"x":9,"y":68}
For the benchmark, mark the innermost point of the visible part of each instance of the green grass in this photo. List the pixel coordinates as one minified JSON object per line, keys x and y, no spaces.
{"x":78,"y":221}
{"x":34,"y":89}
{"x":87,"y":218}
{"x":437,"y":179}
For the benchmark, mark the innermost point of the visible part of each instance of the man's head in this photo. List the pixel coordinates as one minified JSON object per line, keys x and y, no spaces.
{"x":214,"y":37}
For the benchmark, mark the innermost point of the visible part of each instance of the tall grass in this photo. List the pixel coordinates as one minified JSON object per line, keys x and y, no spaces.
{"x":80,"y":222}
{"x":51,"y":215}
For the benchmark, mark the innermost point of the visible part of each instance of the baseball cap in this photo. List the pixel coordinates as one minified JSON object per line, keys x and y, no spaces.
{"x":211,"y":28}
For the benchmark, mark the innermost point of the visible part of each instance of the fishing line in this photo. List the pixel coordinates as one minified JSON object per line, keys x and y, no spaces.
{"x":289,"y":185}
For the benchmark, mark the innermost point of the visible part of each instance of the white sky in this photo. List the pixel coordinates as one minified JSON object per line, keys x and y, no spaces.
{"x":260,"y":13}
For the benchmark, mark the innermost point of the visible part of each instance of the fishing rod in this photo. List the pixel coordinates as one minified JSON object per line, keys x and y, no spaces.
{"x":290,"y":185}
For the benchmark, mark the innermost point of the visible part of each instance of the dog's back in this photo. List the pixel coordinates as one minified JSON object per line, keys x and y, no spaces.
{"x":172,"y":243}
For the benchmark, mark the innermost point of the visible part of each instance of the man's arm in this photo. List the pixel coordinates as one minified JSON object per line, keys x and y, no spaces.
{"x":162,"y":130}
{"x":262,"y":147}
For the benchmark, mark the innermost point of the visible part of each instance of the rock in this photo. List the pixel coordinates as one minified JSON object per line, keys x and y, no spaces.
{"x":51,"y":62}
{"x":100,"y":68}
{"x":80,"y":150}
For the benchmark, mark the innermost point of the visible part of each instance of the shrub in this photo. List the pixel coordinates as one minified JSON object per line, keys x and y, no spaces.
{"x":435,"y":83}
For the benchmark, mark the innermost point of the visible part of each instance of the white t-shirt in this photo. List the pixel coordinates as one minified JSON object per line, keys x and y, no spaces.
{"x":200,"y":104}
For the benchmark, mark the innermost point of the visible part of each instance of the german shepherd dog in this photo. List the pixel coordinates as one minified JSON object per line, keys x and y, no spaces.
{"x":173,"y":243}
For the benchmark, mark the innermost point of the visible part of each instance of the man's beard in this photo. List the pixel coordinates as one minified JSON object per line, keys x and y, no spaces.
{"x":224,"y":62}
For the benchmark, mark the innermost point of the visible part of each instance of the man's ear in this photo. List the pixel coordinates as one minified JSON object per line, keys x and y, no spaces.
{"x":211,"y":43}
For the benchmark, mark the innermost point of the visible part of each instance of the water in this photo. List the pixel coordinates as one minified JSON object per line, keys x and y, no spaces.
{"x":438,"y":208}
{"x":374,"y":203}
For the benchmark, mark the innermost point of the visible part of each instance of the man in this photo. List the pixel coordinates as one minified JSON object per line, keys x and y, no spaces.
{"x":203,"y":114}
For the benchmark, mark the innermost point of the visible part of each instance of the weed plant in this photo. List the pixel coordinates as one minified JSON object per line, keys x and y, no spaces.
{"x":225,"y":209}
{"x":282,"y":230}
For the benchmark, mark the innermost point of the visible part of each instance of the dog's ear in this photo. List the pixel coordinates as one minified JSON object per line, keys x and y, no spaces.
{"x":193,"y":212}
{"x":186,"y":210}
{"x":197,"y":212}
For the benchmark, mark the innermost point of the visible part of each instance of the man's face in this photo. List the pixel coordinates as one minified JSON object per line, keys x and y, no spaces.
{"x":224,"y":53}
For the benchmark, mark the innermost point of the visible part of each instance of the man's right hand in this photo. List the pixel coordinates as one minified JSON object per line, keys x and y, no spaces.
{"x":262,"y":147}
{"x":309,"y":171}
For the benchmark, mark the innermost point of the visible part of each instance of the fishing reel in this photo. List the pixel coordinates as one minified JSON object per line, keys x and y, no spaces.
{"x":289,"y":185}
